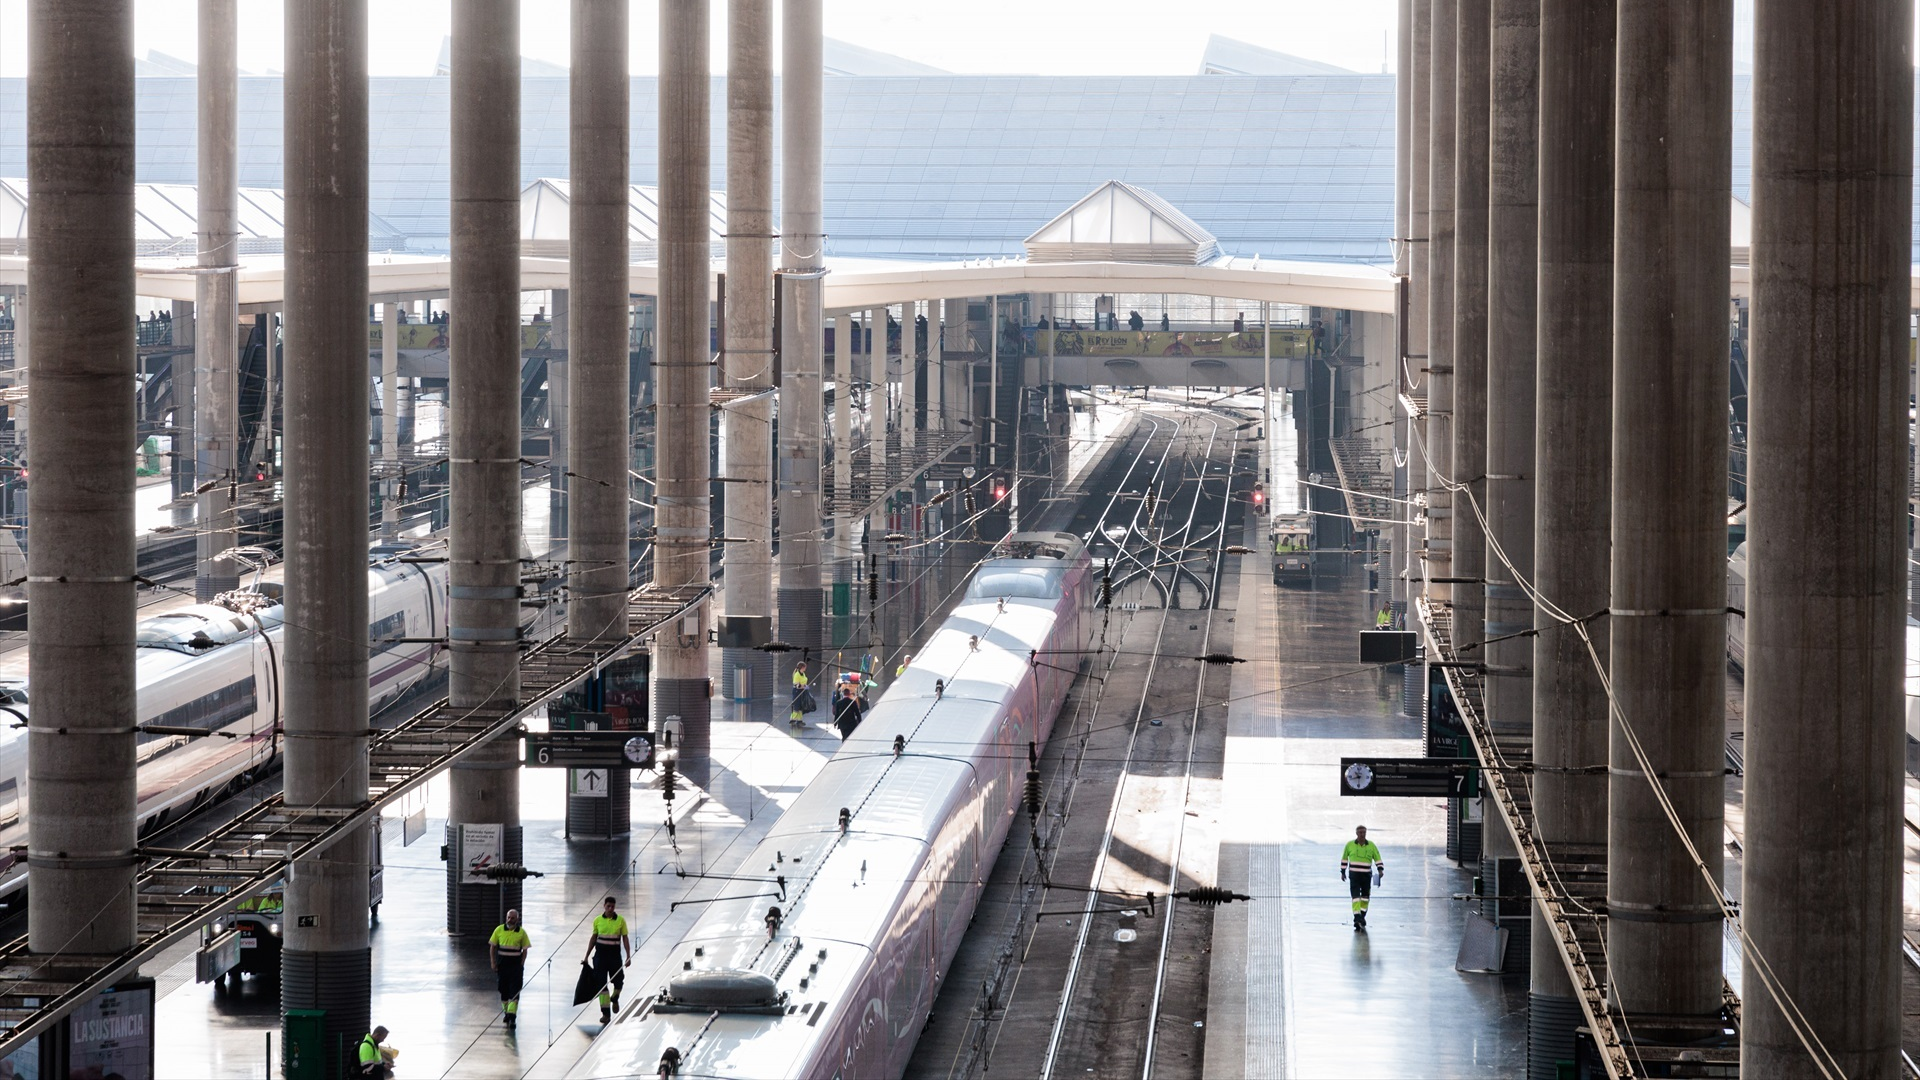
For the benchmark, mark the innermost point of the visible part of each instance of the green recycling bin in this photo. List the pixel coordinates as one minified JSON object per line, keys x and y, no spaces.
{"x":303,"y":1046}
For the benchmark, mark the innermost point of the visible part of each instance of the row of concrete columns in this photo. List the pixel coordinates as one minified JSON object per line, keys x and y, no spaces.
{"x":1575,"y":286}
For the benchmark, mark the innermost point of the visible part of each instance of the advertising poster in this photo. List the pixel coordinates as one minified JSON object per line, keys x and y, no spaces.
{"x":481,"y":846}
{"x":1446,"y":732}
{"x":112,"y":1036}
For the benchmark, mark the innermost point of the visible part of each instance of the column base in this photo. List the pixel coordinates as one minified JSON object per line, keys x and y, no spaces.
{"x":1551,"y":1022}
{"x":604,"y":816}
{"x":475,"y":909}
{"x":339,"y":983}
{"x":760,"y":667}
{"x":688,"y":699}
{"x":802,"y":627}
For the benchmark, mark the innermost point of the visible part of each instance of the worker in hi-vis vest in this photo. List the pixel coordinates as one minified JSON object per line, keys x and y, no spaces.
{"x":507,"y":953}
{"x":1361,"y":868}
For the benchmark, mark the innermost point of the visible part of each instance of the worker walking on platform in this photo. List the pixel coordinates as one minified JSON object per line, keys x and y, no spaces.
{"x":801,"y":697}
{"x":603,"y":952}
{"x":507,"y":952}
{"x":1361,"y":868}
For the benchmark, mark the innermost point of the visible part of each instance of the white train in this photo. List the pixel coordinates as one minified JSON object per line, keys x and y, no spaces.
{"x":1737,"y":636}
{"x":884,"y":854}
{"x":217,"y":667}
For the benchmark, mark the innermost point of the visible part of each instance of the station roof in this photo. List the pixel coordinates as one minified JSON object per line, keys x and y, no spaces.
{"x":1122,"y":223}
{"x":546,"y":212}
{"x":166,"y":217}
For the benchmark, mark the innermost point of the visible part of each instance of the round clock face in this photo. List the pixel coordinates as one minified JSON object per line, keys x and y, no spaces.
{"x":1359,"y":776}
{"x":636,"y":749}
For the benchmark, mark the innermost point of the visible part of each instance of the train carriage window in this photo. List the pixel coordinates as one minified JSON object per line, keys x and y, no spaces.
{"x":211,"y":711}
{"x":9,"y":801}
{"x":386,"y":633}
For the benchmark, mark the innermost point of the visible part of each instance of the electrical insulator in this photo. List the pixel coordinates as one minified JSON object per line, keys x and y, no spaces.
{"x":773,"y":920}
{"x":667,"y":779}
{"x":846,"y":819}
{"x":899,"y":745}
{"x":1211,"y":896}
{"x":1033,"y":793}
{"x":939,"y":689}
{"x":669,"y":1063}
{"x":873,"y":587}
{"x":1153,"y":505}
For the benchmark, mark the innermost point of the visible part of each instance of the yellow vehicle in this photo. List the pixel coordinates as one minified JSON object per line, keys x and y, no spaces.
{"x":1292,"y":536}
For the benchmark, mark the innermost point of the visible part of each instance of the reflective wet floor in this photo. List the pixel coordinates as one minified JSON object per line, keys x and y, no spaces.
{"x":1295,"y":991}
{"x":436,"y":993}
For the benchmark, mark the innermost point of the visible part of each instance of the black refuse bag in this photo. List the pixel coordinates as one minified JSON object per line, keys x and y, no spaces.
{"x":589,"y":985}
{"x":805,"y":703}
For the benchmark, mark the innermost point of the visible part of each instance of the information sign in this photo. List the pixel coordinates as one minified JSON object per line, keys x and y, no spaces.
{"x":1420,"y":778}
{"x":589,"y":749}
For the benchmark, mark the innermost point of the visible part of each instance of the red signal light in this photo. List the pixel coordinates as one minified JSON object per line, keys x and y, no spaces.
{"x":999,"y":491}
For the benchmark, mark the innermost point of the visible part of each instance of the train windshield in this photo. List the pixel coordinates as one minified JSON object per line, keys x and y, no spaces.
{"x":190,"y":632}
{"x":1006,"y":579}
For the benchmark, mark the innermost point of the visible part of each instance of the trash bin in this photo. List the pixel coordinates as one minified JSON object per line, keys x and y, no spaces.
{"x":303,"y":1047}
{"x":742,"y":685}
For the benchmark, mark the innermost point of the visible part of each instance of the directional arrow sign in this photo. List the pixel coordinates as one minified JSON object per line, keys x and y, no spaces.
{"x":1419,"y":778}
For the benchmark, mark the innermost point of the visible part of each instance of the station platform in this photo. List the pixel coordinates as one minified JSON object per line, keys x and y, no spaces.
{"x":436,"y":993}
{"x":1294,"y":990}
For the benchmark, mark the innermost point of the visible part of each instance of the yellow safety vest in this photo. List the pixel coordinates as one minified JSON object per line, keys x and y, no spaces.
{"x":512,"y":944}
{"x":609,"y":931}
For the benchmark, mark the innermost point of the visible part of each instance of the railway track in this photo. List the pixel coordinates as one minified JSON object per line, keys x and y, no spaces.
{"x":1046,"y":984}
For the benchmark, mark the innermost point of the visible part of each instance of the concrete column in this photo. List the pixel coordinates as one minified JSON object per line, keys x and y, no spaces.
{"x":684,"y":533}
{"x":1402,"y":138}
{"x":1573,"y":465}
{"x":748,"y":360}
{"x":484,"y":430}
{"x":1419,"y":277}
{"x":802,"y":235}
{"x":909,"y":376}
{"x":80,"y":835}
{"x":936,"y":367}
{"x":1673,"y":164}
{"x":1402,"y":267}
{"x":182,"y":460}
{"x":1440,"y":231}
{"x":1512,"y":292}
{"x":216,"y":301}
{"x":559,"y":424}
{"x":879,"y":413}
{"x":1833,"y":191}
{"x":1470,"y":323}
{"x":326,"y":963}
{"x":390,"y":416}
{"x":597,"y":321}
{"x":846,"y":345}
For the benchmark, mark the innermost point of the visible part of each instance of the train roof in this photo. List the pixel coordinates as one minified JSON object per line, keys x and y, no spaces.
{"x":1040,"y":545}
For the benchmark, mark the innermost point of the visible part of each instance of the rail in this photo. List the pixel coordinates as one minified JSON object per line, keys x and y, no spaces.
{"x":1570,"y":886}
{"x":181,"y":891}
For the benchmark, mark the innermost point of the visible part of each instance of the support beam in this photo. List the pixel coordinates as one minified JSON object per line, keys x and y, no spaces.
{"x":1418,"y":381}
{"x":802,"y":236}
{"x":1833,"y":191}
{"x":80,"y":135}
{"x":909,"y":376}
{"x":747,"y":362}
{"x":847,"y":340}
{"x":390,"y":416}
{"x":1674,"y":174}
{"x":683,"y":371}
{"x":1475,"y":37}
{"x":1512,"y":286}
{"x":326,"y":962}
{"x":559,"y":419}
{"x":598,"y":448}
{"x":484,"y":399}
{"x":1573,"y":463}
{"x":1442,"y":148}
{"x":216,"y":299}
